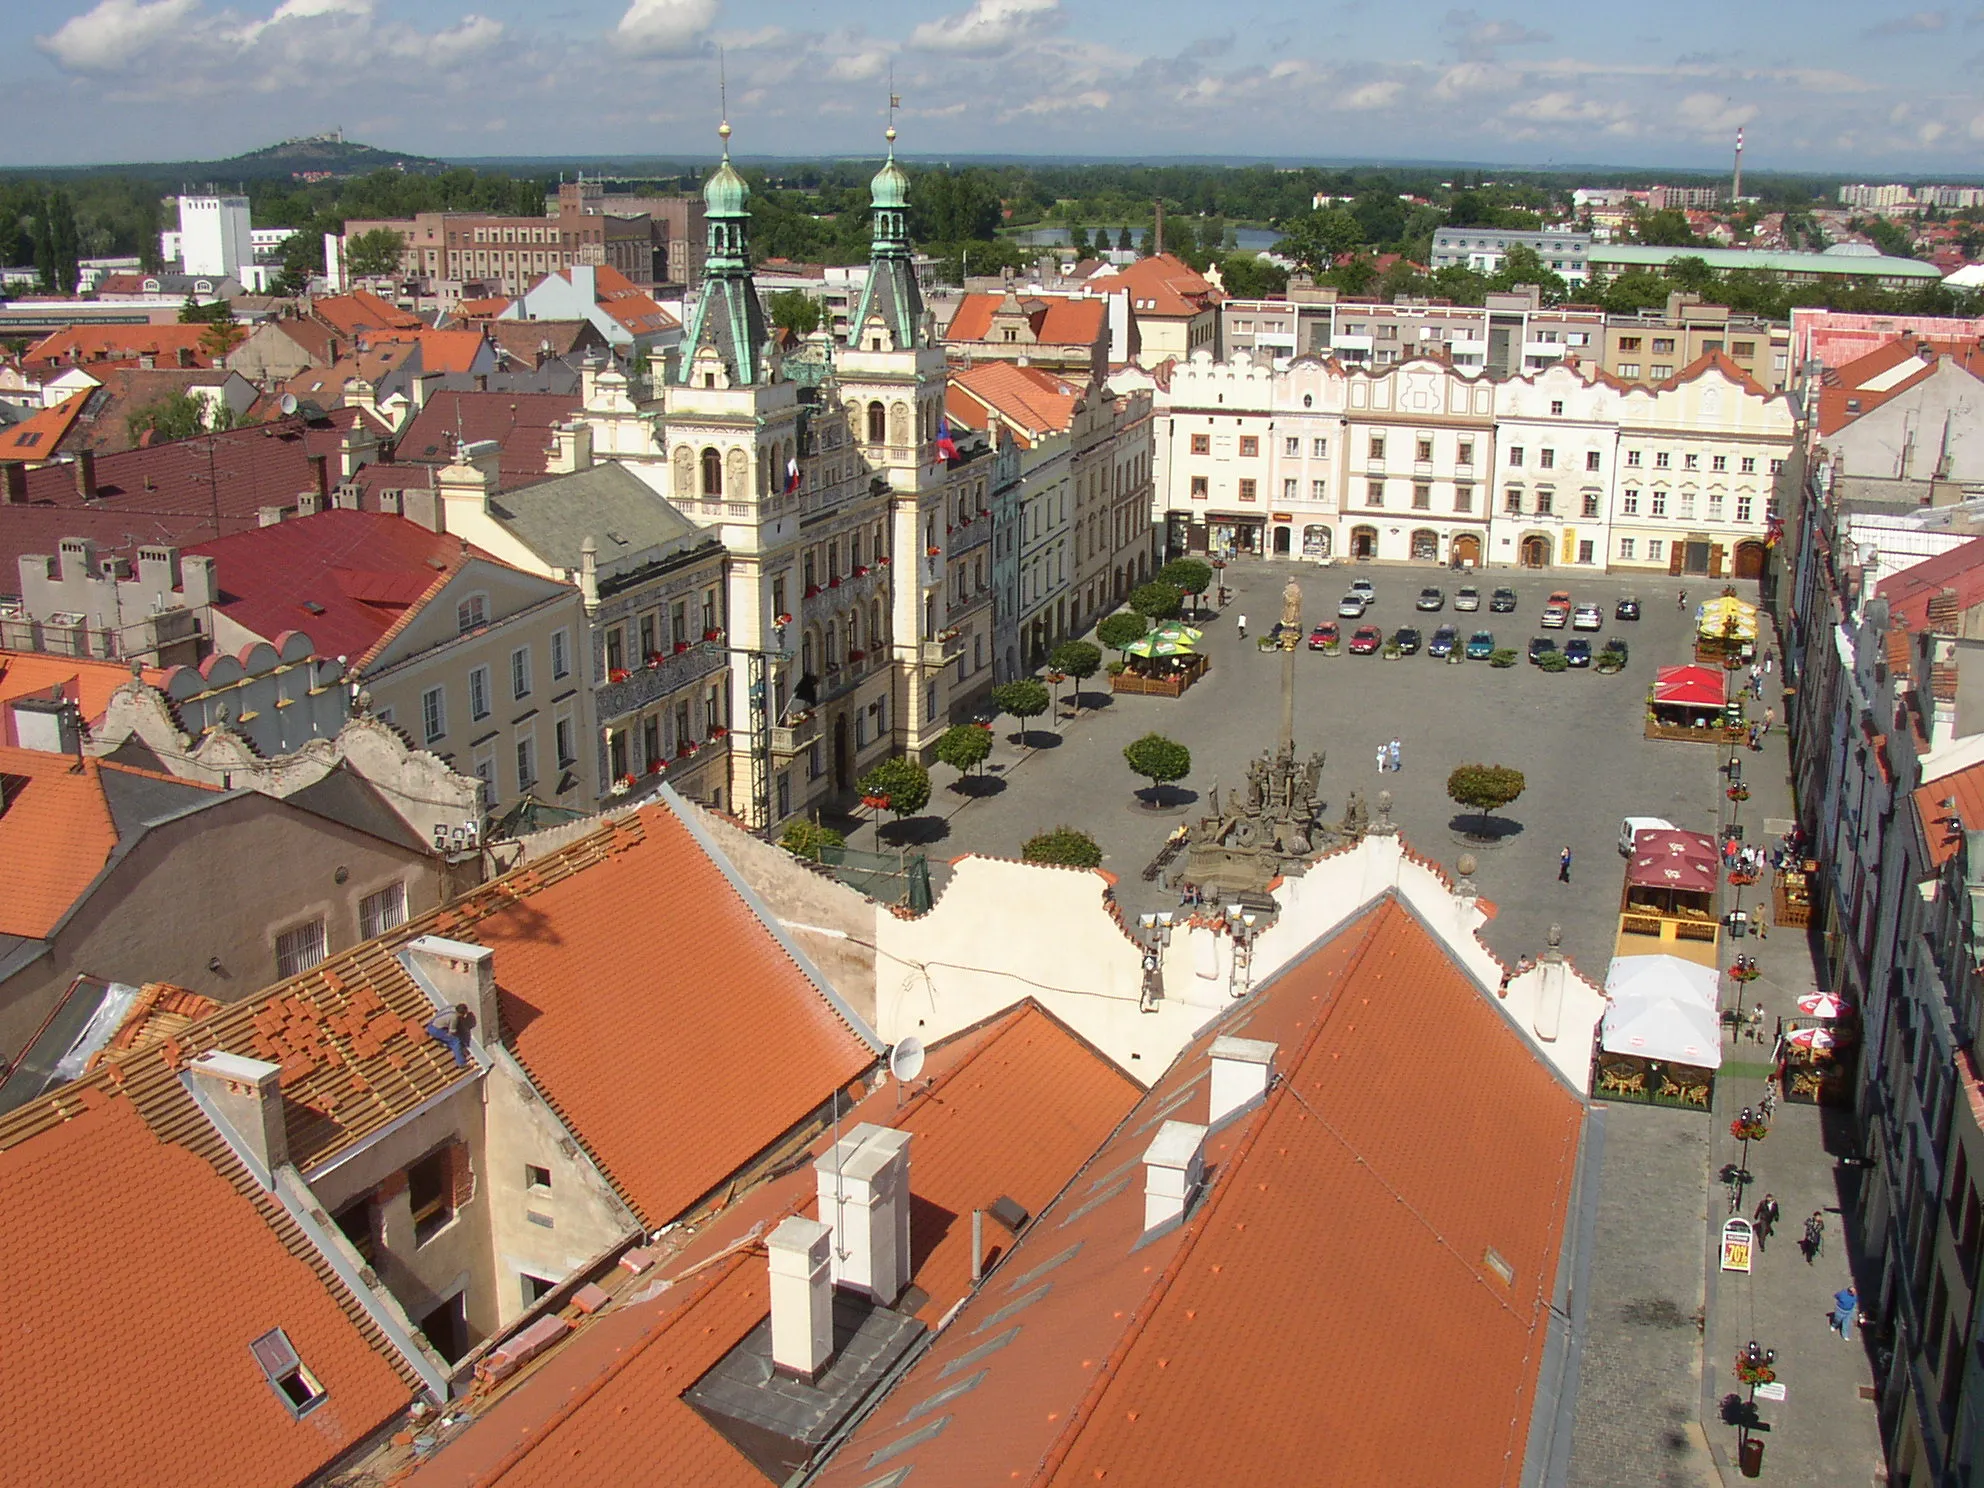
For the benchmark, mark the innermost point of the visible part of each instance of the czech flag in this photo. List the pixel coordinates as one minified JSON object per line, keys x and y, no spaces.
{"x":946,"y":446}
{"x":791,"y":476}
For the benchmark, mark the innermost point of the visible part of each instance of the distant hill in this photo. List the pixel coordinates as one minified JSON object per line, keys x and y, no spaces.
{"x":324,"y":154}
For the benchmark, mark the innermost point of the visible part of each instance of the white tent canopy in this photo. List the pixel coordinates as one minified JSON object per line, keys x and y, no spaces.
{"x":1661,"y":1007}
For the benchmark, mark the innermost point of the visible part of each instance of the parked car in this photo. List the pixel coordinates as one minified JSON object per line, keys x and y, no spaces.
{"x":1481,"y":645}
{"x":1559,"y":597}
{"x":1587,"y":617}
{"x":1502,"y":602}
{"x":1366,"y":588}
{"x":1467,"y":598}
{"x":1578,"y":652}
{"x":1407,"y":640}
{"x":1555,"y":616}
{"x":1443,"y":643}
{"x":1429,"y":599}
{"x":1539,"y":648}
{"x":1632,"y":826}
{"x":1323,"y":635}
{"x":1352,"y":607}
{"x":1366,"y":639}
{"x":1626,"y":609}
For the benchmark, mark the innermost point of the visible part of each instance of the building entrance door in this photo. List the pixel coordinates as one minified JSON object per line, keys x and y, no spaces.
{"x":1535,"y":552}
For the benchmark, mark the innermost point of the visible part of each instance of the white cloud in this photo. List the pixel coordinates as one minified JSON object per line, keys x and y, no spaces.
{"x":116,"y":32}
{"x":665,"y":28}
{"x":1471,"y":77}
{"x":989,"y":26}
{"x":860,"y":67}
{"x":1931,"y":132}
{"x":1376,"y":95}
{"x":1064,"y":103}
{"x":1713,"y":114}
{"x":469,"y":36}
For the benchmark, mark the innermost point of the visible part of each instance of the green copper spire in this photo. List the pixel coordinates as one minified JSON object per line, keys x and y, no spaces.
{"x":892,"y":293}
{"x":729,"y":317}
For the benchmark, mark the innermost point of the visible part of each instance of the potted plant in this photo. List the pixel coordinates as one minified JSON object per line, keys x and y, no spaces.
{"x":812,"y":591}
{"x":1738,"y":793}
{"x":875,"y":802}
{"x":1391,"y":651}
{"x":781,"y":620}
{"x":617,"y":674}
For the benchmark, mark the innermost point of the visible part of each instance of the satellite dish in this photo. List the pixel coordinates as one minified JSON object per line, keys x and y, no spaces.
{"x":906,"y":1059}
{"x":288,"y":403}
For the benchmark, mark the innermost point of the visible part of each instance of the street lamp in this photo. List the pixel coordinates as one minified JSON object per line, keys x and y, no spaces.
{"x":1242,"y":922}
{"x":1156,"y":936}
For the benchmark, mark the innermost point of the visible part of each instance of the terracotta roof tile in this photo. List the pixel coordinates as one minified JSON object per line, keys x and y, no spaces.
{"x":56,"y":835}
{"x":83,"y":345}
{"x":167,"y":1290}
{"x":1943,"y":827}
{"x":1056,"y":321}
{"x":1031,"y":398}
{"x":520,"y":422}
{"x":361,"y":311}
{"x":1238,"y":1347}
{"x":440,"y":351}
{"x":38,"y":437}
{"x":90,"y":683}
{"x":1910,"y":592}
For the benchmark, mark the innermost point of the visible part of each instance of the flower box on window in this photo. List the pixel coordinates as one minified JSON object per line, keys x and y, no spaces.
{"x":934,"y":552}
{"x":712,"y":635}
{"x":857,"y":655}
{"x":655,"y":767}
{"x":686,"y":748}
{"x":861,"y":570}
{"x":782,"y":620}
{"x":653,"y":660}
{"x":618,"y":674}
{"x":812,"y":591}
{"x":834,"y":582}
{"x":680,"y":647}
{"x":719,"y":732}
{"x":883,"y":561}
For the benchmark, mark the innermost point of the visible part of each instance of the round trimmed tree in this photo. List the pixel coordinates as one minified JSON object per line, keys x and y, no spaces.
{"x":1187,"y":575}
{"x":1156,"y":601}
{"x":1159,"y":760}
{"x":1025,"y":699}
{"x":964,"y":747}
{"x":1484,"y":788}
{"x":1122,"y":629}
{"x":1077,"y":659}
{"x":901,"y":781}
{"x":808,"y":839}
{"x":1068,"y":846}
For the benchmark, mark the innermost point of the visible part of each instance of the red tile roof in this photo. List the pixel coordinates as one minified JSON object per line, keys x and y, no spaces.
{"x":39,"y":436}
{"x":1055,"y":322}
{"x":1943,"y":827}
{"x":360,"y":311}
{"x":128,"y":1252}
{"x":343,"y":578}
{"x":440,"y":351}
{"x":483,"y":309}
{"x":650,"y":1002}
{"x":520,"y":422}
{"x":1368,"y":1210}
{"x":90,"y":683}
{"x":1910,"y":592}
{"x":1860,"y":386}
{"x":117,"y":343}
{"x":1031,"y":399}
{"x":324,"y":386}
{"x":55,"y":836}
{"x":1011,"y":1108}
{"x":1161,"y":286}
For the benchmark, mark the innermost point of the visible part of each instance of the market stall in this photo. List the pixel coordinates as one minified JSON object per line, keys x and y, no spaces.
{"x":1691,"y":703}
{"x":1659,"y":1041}
{"x":1667,"y":903}
{"x":1815,"y":1058}
{"x":1161,"y":664}
{"x":1726,"y":631}
{"x":1791,"y":895}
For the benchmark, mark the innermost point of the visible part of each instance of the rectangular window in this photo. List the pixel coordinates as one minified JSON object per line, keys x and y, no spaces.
{"x":1199,"y":487}
{"x":1515,"y":457}
{"x":1742,"y":348}
{"x":1319,"y":490}
{"x":1662,"y":371}
{"x":1656,"y":549}
{"x":1691,"y":461}
{"x":472,"y":613}
{"x":1632,"y":459}
{"x":616,"y":650}
{"x":1625,"y":547}
{"x":1512,"y":501}
{"x":297,"y":1388}
{"x":1629,"y":343}
{"x":1715,"y":506}
{"x":1556,"y":404}
{"x":1250,"y":445}
{"x":1591,"y":460}
{"x":1662,"y":460}
{"x":1687,"y":512}
{"x":561,"y":739}
{"x":1547,"y":459}
{"x":1319,"y":449}
{"x":1587,"y":550}
{"x":1749,"y":465}
{"x":1247,"y":490}
{"x":1424,"y":453}
{"x":1662,"y":344}
{"x":1288,"y":489}
{"x":526,"y":762}
{"x":430,"y":1191}
{"x":1629,"y":370}
{"x":1718,"y":462}
{"x":1463,"y":498}
{"x":1590,"y":504}
{"x":300,"y":949}
{"x":433,"y":714}
{"x":1659,"y":507}
{"x":520,"y":672}
{"x":380,"y":912}
{"x":1776,"y":466}
{"x":561,"y":653}
{"x":1202,"y":444}
{"x":478,"y":692}
{"x":1377,"y":446}
{"x":537,"y":1179}
{"x":1466,"y":453}
{"x":1742,"y":508}
{"x":648,"y":637}
{"x":1422,"y":496}
{"x":1374,"y":493}
{"x":1291,"y":445}
{"x":1545,"y":501}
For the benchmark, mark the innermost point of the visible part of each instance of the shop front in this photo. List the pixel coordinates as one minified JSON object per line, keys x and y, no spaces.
{"x":1230,"y":536}
{"x":1317,"y":541}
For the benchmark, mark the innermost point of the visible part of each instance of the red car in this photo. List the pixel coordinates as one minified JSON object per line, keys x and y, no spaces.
{"x":1323,"y":635}
{"x":1365,"y":640}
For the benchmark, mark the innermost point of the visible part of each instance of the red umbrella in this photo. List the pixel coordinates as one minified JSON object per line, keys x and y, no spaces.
{"x":1824,"y":1005}
{"x":1812,"y":1038}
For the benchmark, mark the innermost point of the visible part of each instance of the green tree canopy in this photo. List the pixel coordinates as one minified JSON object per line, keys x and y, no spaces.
{"x":964,"y":747}
{"x":1186,"y":575}
{"x":1077,"y":659}
{"x":1158,"y":759}
{"x":790,"y":310}
{"x":1484,"y":788}
{"x":1316,"y":239}
{"x":373,"y":254}
{"x":808,"y":839}
{"x":1120,"y":629}
{"x":1252,"y":277}
{"x":1156,"y":601}
{"x":902,"y":780}
{"x":179,"y":416}
{"x":1024,"y":698}
{"x":1667,"y":228}
{"x":1068,"y":846}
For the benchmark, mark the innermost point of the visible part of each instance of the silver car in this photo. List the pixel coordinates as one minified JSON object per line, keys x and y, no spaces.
{"x":1351,"y":607}
{"x":1468,"y":598}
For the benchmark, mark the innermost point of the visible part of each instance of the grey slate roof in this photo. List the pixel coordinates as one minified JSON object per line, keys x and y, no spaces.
{"x":624,"y":516}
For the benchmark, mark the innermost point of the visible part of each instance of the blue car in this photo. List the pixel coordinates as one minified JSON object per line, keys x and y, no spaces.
{"x":1443,"y":643}
{"x":1481,"y":645}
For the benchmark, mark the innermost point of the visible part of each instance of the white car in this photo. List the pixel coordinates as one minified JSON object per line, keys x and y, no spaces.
{"x":1364,"y":587}
{"x":1587,"y":617}
{"x":1468,"y":598}
{"x":1554,"y":616}
{"x":1352,"y":607}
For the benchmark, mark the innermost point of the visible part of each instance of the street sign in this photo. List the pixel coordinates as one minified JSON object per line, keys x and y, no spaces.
{"x":1772,"y":1391}
{"x":1737,"y":1241}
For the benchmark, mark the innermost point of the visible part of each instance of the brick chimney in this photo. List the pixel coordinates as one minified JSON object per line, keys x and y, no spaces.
{"x":243,"y":1098}
{"x":86,"y":474}
{"x":320,"y":475}
{"x":14,"y":476}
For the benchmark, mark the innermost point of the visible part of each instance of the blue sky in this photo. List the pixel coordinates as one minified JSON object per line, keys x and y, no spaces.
{"x":1823,"y":85}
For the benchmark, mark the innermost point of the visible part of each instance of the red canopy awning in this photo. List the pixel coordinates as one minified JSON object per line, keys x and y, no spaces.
{"x":1691,"y":686}
{"x":1673,"y":860}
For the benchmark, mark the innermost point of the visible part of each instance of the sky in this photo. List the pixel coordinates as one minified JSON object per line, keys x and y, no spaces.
{"x":1822,"y":86}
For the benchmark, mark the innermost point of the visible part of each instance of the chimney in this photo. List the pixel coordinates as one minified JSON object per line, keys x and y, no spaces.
{"x":574,"y":448}
{"x":459,"y":972}
{"x":393,"y":503}
{"x":1242,"y":1073}
{"x":864,"y":1194}
{"x":308,"y":503}
{"x":243,"y":1098}
{"x":1174,"y":1167}
{"x":147,"y":361}
{"x":270,"y":515}
{"x":589,"y":574}
{"x":320,"y":474}
{"x":86,"y":474}
{"x":1466,"y":895}
{"x":802,"y":1296}
{"x":49,"y":725}
{"x":1556,"y":972}
{"x":15,"y":476}
{"x":1157,"y":232}
{"x":184,"y":356}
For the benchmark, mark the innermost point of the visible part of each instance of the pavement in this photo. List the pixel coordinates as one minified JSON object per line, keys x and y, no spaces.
{"x":1649,"y":1411}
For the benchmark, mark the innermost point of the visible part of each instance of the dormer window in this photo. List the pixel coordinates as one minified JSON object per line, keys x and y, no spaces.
{"x":472,"y":614}
{"x":299,"y":1390}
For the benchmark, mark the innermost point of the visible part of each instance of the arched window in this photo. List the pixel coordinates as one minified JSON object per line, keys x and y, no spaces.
{"x":878,"y":423}
{"x":875,"y":631}
{"x":854,"y":630}
{"x":712,"y":473}
{"x":807,"y":656}
{"x":833,"y":645}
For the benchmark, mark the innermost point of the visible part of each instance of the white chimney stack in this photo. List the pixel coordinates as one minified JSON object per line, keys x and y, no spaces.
{"x":244,"y":1098}
{"x":1242,"y":1071}
{"x":802,"y":1296}
{"x":1174,"y":1167}
{"x":459,"y":973}
{"x":864,"y":1194}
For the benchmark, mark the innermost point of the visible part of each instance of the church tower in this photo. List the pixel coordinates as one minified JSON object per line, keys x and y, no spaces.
{"x":891,"y":378}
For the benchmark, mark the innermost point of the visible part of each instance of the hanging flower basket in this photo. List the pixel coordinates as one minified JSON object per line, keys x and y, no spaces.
{"x":934,"y":552}
{"x":781,"y":620}
{"x":1744,"y":973}
{"x":621,"y":786}
{"x":1738,"y":793}
{"x":875,"y":803}
{"x":1057,"y":678}
{"x":654,"y":660}
{"x":883,"y":561}
{"x":680,"y":647}
{"x":655,"y":767}
{"x":713,"y":635}
{"x":684,"y":749}
{"x":812,"y":591}
{"x":1742,"y":877}
{"x":618,"y":674}
{"x":1752,"y":1130}
{"x":834,"y":582}
{"x":719,"y":732}
{"x":1752,"y":1370}
{"x":861,"y":570}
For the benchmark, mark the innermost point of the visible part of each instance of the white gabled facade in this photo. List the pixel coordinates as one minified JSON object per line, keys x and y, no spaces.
{"x":1557,"y":438}
{"x":1419,"y":439}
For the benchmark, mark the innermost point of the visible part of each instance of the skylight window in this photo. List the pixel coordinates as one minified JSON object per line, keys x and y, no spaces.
{"x":297,"y":1388}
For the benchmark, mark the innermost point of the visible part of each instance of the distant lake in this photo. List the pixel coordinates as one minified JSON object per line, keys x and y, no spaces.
{"x":1250,"y":239}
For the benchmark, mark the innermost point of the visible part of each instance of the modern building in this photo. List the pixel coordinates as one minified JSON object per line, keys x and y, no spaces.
{"x":214,"y":236}
{"x":1565,"y":253}
{"x":1844,"y":263}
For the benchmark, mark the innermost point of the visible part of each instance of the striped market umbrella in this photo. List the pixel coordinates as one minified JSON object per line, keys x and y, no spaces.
{"x":1823,"y":1005}
{"x":1812,"y":1038}
{"x":1155,"y":645}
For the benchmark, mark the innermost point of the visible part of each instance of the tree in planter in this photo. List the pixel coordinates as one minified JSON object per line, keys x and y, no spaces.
{"x":1068,"y":846}
{"x":1122,"y":629}
{"x":964,"y":747}
{"x":904,"y":783}
{"x":1156,"y":601}
{"x":1159,"y":760}
{"x":1077,"y":659}
{"x":1505,"y":657}
{"x":1484,"y":788}
{"x":1554,"y":661}
{"x":1192,"y":576}
{"x":808,"y":839}
{"x":1024,"y":699}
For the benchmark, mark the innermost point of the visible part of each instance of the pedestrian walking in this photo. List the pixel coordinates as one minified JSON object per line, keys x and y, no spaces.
{"x":1681,"y":600}
{"x":1564,"y":866}
{"x":1753,"y":737}
{"x":1243,"y":627}
{"x":1770,"y":717}
{"x":1764,"y":1220}
{"x":1770,"y":661}
{"x":1384,"y":759}
{"x":1815,"y":1236}
{"x":1757,"y":925}
{"x":1393,"y":752}
{"x":1845,"y":1303}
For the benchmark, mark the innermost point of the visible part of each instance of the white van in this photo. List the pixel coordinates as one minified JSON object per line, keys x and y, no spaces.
{"x":1632,"y":826}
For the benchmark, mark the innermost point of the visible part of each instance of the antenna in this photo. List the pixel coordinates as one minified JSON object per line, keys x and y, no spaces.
{"x":722,"y":88}
{"x":287,"y":404}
